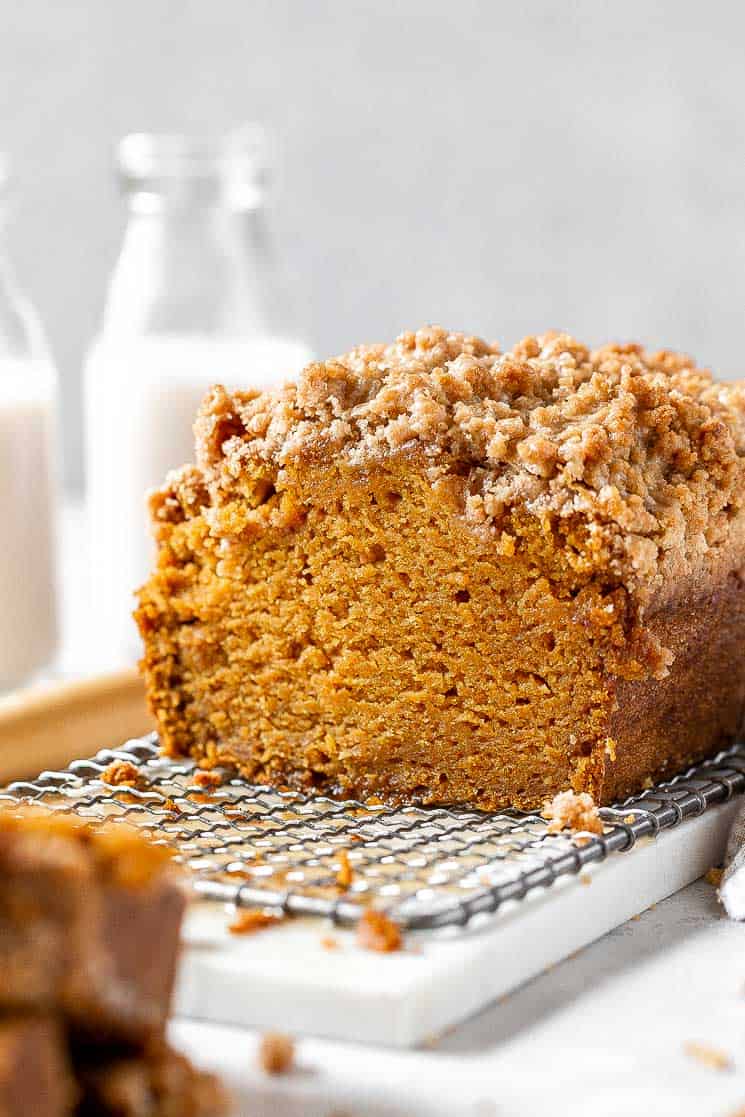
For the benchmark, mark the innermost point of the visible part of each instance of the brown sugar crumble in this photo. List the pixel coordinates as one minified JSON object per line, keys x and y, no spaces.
{"x":122,"y":773}
{"x":375,"y":931}
{"x":572,"y":811}
{"x":206,"y":780}
{"x":712,"y":1057}
{"x":714,"y":876}
{"x":345,"y":874}
{"x":248,"y":922}
{"x":276,"y":1053}
{"x":508,"y":555}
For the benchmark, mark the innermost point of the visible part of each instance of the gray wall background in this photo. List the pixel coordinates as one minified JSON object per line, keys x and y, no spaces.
{"x":496,"y":167}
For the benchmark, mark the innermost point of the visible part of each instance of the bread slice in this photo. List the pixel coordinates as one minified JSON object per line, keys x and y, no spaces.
{"x":434,"y":573}
{"x":89,"y":926}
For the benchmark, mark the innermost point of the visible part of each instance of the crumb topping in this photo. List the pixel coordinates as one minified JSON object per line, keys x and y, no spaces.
{"x":642,"y":447}
{"x":375,"y":931}
{"x":122,"y":773}
{"x":570,"y":810}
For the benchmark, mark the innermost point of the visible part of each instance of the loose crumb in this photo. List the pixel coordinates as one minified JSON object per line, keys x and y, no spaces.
{"x":712,"y":1057}
{"x":208,"y":781}
{"x":376,"y":931}
{"x":585,"y":878}
{"x":276,"y":1053}
{"x":628,"y":819}
{"x":570,"y":810}
{"x":714,"y":876}
{"x":648,"y":784}
{"x":328,"y":942}
{"x":172,"y":806}
{"x":248,"y":922}
{"x":122,"y":773}
{"x":345,"y":875}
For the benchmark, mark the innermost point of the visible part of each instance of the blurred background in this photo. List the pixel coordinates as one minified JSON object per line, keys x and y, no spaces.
{"x":496,"y":167}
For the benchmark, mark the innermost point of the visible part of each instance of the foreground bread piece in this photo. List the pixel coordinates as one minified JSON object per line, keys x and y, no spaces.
{"x":35,"y":1075}
{"x":157,"y":1083}
{"x":431,"y":572}
{"x":89,"y":926}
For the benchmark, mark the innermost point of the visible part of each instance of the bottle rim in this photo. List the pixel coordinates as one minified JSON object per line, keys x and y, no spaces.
{"x":240,"y":157}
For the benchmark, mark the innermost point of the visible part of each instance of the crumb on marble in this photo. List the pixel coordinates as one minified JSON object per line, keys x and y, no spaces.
{"x":276,"y":1053}
{"x":710,"y":1056}
{"x":122,"y":773}
{"x":375,"y":931}
{"x":248,"y":922}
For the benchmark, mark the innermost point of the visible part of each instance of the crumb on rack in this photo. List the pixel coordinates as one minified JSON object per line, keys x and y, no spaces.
{"x":571,"y":810}
{"x":345,"y":875}
{"x":206,"y":780}
{"x":712,"y":1057}
{"x":122,"y":773}
{"x":172,"y":806}
{"x":714,"y":876}
{"x":276,"y":1053}
{"x":248,"y":922}
{"x":628,"y":819}
{"x":375,"y":931}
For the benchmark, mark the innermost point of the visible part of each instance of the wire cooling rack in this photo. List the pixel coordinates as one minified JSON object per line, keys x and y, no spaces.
{"x":258,"y":847}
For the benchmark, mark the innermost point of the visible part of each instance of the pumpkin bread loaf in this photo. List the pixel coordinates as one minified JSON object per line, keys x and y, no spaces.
{"x":435,"y":573}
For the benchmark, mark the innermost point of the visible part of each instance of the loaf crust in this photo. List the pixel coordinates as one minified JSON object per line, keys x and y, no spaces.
{"x":436,"y":573}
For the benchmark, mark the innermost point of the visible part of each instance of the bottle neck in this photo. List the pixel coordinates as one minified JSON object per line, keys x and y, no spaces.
{"x":192,"y":264}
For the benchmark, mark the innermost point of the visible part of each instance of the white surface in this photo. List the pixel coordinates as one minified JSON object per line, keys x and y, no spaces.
{"x":602,"y":1035}
{"x":284,"y":978}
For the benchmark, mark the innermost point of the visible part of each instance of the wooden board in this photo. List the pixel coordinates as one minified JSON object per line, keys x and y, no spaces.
{"x":48,"y":726}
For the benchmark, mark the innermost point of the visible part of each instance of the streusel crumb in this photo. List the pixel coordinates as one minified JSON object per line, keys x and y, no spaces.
{"x":248,"y":922}
{"x":345,"y":874}
{"x":376,"y":931}
{"x":570,"y":810}
{"x":122,"y":773}
{"x":710,"y":1056}
{"x":276,"y":1053}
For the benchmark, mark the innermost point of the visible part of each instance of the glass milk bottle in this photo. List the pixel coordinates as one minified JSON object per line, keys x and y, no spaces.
{"x":28,"y":628}
{"x":193,"y":301}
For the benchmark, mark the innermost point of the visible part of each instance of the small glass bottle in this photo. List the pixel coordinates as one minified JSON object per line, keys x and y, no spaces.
{"x":28,"y":622}
{"x":193,"y":301}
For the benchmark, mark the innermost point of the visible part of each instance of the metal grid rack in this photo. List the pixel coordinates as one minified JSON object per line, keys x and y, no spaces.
{"x":426,"y":867}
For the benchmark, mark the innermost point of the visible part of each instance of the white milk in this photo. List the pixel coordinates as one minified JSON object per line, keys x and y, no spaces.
{"x":141,"y":399}
{"x":27,"y":576}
